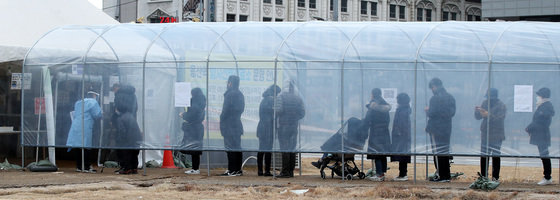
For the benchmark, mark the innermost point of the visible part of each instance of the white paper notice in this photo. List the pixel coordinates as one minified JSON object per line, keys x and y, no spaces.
{"x":390,"y":95}
{"x":182,"y":94}
{"x":523,"y":98}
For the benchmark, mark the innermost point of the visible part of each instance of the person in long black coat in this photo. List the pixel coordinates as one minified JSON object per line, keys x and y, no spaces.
{"x":193,"y":128}
{"x":539,"y":131}
{"x":377,"y":120}
{"x":440,"y":113}
{"x":401,"y":138}
{"x":231,"y":127}
{"x":491,"y":137}
{"x":265,"y":129}
{"x":128,"y":132}
{"x":290,"y":110}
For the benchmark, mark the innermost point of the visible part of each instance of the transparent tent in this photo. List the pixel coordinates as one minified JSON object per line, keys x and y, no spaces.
{"x":334,"y":67}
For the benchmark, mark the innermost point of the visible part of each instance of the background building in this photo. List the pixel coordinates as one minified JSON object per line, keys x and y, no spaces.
{"x":156,"y":11}
{"x":527,"y":10}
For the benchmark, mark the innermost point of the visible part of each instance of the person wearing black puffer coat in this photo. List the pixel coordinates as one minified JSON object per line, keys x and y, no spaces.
{"x":377,"y":121}
{"x":265,"y":129}
{"x":539,"y":131}
{"x":401,"y":135}
{"x":193,"y":129}
{"x":128,"y":132}
{"x":289,"y":110}
{"x":231,"y":127}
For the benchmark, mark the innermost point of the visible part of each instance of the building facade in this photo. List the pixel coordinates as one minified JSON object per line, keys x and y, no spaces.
{"x":156,"y":11}
{"x":526,"y":10}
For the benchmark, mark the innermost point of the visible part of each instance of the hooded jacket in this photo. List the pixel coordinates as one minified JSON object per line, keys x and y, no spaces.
{"x":266,"y":113}
{"x":377,"y":121}
{"x":128,"y":132}
{"x":233,"y":107}
{"x":192,"y":125}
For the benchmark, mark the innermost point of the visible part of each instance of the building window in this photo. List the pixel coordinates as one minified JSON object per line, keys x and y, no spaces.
{"x":267,"y":1}
{"x":428,"y":15}
{"x":267,"y":19}
{"x":243,"y":18}
{"x":344,"y":6}
{"x":363,"y":7}
{"x":230,"y":18}
{"x":331,"y":5}
{"x":444,"y":16}
{"x":477,"y":18}
{"x":392,"y":11}
{"x":301,"y":3}
{"x":419,"y":14}
{"x":453,"y":16}
{"x":279,"y":2}
{"x":373,"y":8}
{"x":312,"y":3}
{"x":278,"y":20}
{"x":402,"y":12}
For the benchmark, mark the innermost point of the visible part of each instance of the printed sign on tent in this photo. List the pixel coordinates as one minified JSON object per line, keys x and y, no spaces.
{"x":523,"y":98}
{"x":390,"y":95}
{"x":182,"y":94}
{"x":40,"y":105}
{"x":18,"y":80}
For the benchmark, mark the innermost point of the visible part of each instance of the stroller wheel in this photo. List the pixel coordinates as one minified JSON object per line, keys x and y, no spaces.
{"x":323,"y":175}
{"x":361,"y":175}
{"x":349,"y":177}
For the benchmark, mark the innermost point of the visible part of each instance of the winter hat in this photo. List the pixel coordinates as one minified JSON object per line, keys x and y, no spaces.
{"x":403,"y":99}
{"x":376,"y":92}
{"x":435,"y":82}
{"x":493,"y":93}
{"x":544,"y":92}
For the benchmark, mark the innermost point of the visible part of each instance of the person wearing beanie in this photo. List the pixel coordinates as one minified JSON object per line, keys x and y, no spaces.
{"x":440,"y":112}
{"x":491,"y":136}
{"x":377,"y":121}
{"x":265,"y":129}
{"x":401,"y":135}
{"x":231,"y":126}
{"x":539,"y":131}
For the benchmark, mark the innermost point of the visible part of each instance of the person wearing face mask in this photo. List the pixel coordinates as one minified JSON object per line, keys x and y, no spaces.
{"x":440,"y":113}
{"x":539,"y":131}
{"x":193,"y":129}
{"x":86,"y":111}
{"x":377,"y":120}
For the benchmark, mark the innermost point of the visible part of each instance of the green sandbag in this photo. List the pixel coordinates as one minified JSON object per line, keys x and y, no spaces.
{"x":453,"y":176}
{"x":153,"y":164}
{"x":180,"y":160}
{"x":484,"y":183}
{"x":42,"y":166}
{"x":111,"y":164}
{"x":6,"y":165}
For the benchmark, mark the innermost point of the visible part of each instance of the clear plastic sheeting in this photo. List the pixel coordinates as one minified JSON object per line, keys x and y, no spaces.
{"x":458,"y":88}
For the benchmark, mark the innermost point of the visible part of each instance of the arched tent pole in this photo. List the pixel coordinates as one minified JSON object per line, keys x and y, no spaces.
{"x":416,"y":98}
{"x":22,"y":127}
{"x":350,"y":43}
{"x":220,"y":38}
{"x":274,"y":131}
{"x":155,"y":38}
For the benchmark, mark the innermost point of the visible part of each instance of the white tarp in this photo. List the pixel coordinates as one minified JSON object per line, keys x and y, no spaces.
{"x":25,"y":21}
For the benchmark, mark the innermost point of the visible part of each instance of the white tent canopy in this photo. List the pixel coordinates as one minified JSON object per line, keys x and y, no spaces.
{"x":25,"y":21}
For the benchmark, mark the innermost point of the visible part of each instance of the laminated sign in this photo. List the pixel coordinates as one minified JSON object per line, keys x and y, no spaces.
{"x":18,"y":80}
{"x":39,"y":105}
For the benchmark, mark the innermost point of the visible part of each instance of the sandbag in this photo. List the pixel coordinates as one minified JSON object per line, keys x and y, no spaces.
{"x":484,"y":183}
{"x":42,"y":166}
{"x":7,"y":165}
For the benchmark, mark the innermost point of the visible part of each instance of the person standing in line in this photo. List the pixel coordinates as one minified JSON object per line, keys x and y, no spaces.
{"x":539,"y":131}
{"x":440,"y":112}
{"x":193,"y":128}
{"x":401,"y":135}
{"x":377,"y":120}
{"x":491,"y":137}
{"x":231,"y":127}
{"x":265,"y":129}
{"x":290,"y":110}
{"x":85,"y":112}
{"x":128,"y":132}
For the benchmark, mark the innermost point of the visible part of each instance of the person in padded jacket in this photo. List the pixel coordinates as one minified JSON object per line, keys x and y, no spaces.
{"x":231,"y":127}
{"x":539,"y":131}
{"x":128,"y":132}
{"x":377,"y":121}
{"x":193,"y":128}
{"x":265,"y":129}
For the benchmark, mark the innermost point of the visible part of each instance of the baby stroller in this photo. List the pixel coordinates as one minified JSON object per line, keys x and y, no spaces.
{"x":354,"y":140}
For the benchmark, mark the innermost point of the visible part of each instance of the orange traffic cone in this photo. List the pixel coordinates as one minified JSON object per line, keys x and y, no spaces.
{"x":168,"y":160}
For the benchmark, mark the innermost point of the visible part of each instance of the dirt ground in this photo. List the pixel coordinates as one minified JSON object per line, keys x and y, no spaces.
{"x":517,"y":183}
